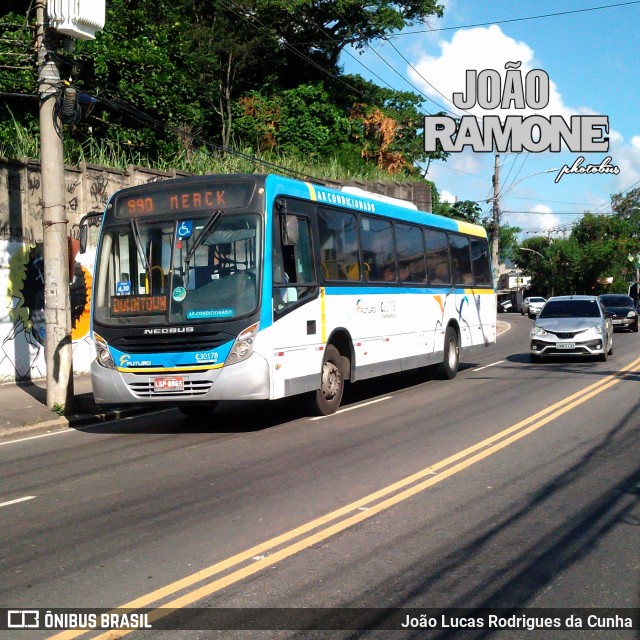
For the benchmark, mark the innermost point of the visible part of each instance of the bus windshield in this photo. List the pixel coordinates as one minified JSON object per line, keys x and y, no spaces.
{"x":179,"y":270}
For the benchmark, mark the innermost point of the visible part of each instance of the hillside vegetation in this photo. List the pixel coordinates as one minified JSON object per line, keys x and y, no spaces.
{"x":224,"y":85}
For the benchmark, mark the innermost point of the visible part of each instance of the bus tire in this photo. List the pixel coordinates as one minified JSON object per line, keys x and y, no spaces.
{"x":197,"y":410}
{"x":328,"y":397}
{"x":448,"y":368}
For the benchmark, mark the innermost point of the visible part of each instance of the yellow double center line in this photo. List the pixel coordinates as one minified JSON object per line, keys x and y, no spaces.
{"x":301,"y":538}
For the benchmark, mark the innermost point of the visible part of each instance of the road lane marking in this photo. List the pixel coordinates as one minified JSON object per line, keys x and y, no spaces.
{"x":493,"y":364}
{"x":80,"y":429}
{"x":502,"y":322}
{"x":42,"y":435}
{"x":402,"y":489}
{"x":6,"y":504}
{"x":358,"y":406}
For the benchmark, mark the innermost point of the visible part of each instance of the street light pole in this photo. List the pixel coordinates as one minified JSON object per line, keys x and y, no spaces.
{"x":636,"y":260}
{"x":495,"y":217}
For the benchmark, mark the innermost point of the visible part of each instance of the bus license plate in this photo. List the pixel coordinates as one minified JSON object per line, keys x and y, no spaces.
{"x":168,"y":383}
{"x":565,"y":345}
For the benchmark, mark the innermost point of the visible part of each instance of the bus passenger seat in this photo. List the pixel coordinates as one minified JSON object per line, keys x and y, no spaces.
{"x":353,"y":271}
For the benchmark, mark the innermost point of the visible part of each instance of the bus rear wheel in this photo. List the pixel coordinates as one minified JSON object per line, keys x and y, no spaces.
{"x":448,"y":368}
{"x":197,"y":410}
{"x":328,"y":397}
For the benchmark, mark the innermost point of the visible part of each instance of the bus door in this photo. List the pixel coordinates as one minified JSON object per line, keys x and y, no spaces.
{"x":296,"y":306}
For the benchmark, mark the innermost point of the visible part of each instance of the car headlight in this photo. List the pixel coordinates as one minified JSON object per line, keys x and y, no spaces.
{"x":538,"y":331}
{"x":631,"y":314}
{"x":103,"y":355}
{"x":593,"y":331}
{"x":243,"y":346}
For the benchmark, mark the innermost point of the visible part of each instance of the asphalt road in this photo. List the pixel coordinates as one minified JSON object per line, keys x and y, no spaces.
{"x":516,"y":485}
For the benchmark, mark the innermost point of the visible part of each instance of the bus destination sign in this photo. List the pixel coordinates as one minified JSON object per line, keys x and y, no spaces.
{"x":178,"y":199}
{"x":143,"y":305}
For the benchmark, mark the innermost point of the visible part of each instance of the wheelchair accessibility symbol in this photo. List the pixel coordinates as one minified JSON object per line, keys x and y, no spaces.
{"x":185,"y":229}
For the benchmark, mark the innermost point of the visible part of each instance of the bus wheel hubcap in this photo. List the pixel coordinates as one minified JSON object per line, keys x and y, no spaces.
{"x":330,"y":380}
{"x":452,"y":354}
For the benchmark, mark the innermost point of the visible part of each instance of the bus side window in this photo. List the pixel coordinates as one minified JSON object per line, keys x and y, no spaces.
{"x":293,"y":270}
{"x":410,"y":250}
{"x":461,"y":259}
{"x":339,"y":253}
{"x":378,"y":249}
{"x":481,"y":262}
{"x":437,"y":246}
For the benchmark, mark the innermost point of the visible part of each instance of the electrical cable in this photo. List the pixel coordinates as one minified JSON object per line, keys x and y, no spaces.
{"x":538,"y":17}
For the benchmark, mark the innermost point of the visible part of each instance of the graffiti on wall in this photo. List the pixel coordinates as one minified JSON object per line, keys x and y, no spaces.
{"x":22,"y":319}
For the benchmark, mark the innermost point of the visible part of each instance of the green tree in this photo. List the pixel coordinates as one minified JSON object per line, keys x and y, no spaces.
{"x":465,"y":210}
{"x":300,"y":121}
{"x":169,"y":74}
{"x":508,"y":243}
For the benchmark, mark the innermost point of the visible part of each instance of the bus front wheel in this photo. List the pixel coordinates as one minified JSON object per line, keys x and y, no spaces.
{"x":448,"y":368}
{"x":328,"y":397}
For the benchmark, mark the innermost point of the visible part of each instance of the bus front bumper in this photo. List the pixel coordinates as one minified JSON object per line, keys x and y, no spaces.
{"x":248,"y":380}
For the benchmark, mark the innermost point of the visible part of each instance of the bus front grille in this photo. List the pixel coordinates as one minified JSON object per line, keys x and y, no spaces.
{"x":144,"y":389}
{"x":171,"y":343}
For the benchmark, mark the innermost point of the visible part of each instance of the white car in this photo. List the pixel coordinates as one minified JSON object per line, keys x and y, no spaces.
{"x":532,"y":306}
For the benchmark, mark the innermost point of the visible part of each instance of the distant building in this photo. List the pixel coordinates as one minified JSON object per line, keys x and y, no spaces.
{"x":513,"y":280}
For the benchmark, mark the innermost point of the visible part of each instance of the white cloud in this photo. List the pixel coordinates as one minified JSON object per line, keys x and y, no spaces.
{"x":541,"y":218}
{"x":445,"y":196}
{"x":627,"y":158}
{"x":478,"y":49}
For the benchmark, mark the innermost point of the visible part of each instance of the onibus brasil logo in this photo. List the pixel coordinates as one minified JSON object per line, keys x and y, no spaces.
{"x":516,"y":133}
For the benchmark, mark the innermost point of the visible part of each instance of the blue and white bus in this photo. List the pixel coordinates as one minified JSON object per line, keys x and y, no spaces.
{"x":243,"y":287}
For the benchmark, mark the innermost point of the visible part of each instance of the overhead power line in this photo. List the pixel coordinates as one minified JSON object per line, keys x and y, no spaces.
{"x":537,"y":17}
{"x":144,"y":118}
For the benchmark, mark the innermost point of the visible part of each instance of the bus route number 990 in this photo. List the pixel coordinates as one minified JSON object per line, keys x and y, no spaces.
{"x":140,"y":205}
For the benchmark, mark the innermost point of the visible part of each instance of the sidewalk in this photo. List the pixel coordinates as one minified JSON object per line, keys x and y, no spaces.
{"x":23,"y":407}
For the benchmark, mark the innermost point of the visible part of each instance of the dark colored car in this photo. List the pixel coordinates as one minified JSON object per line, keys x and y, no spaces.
{"x":622,"y":309}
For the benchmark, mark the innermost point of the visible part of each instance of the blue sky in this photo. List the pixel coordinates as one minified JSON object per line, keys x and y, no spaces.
{"x":591,"y":59}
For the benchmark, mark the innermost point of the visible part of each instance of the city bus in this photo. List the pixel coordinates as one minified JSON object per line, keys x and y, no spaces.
{"x":255,"y":287}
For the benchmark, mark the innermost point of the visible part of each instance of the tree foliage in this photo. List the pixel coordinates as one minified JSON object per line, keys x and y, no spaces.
{"x":594,"y":259}
{"x":172,"y":77}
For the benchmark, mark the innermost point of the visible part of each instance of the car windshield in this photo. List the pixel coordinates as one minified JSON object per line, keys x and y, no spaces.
{"x":570,"y":309}
{"x":536,"y":299}
{"x":616,"y":301}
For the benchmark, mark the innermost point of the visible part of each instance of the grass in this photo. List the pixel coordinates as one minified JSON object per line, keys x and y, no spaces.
{"x":18,"y":140}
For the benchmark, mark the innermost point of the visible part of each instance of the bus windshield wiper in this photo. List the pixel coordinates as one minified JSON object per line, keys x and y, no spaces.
{"x":215,"y":216}
{"x":136,"y":236}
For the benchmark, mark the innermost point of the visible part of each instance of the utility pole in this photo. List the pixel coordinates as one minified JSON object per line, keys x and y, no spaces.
{"x":495,"y":222}
{"x":58,"y":346}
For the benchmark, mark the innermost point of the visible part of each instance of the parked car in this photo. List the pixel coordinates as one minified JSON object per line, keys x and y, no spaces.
{"x":623,"y":310}
{"x":572,"y":325}
{"x":532,"y":306}
{"x":509,"y":301}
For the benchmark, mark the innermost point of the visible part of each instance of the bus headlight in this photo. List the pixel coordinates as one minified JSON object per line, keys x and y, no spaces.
{"x":243,"y":346}
{"x":103,"y":355}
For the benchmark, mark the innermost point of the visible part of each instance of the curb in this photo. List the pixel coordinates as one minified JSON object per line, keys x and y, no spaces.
{"x":86,"y":419}
{"x":80,"y":420}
